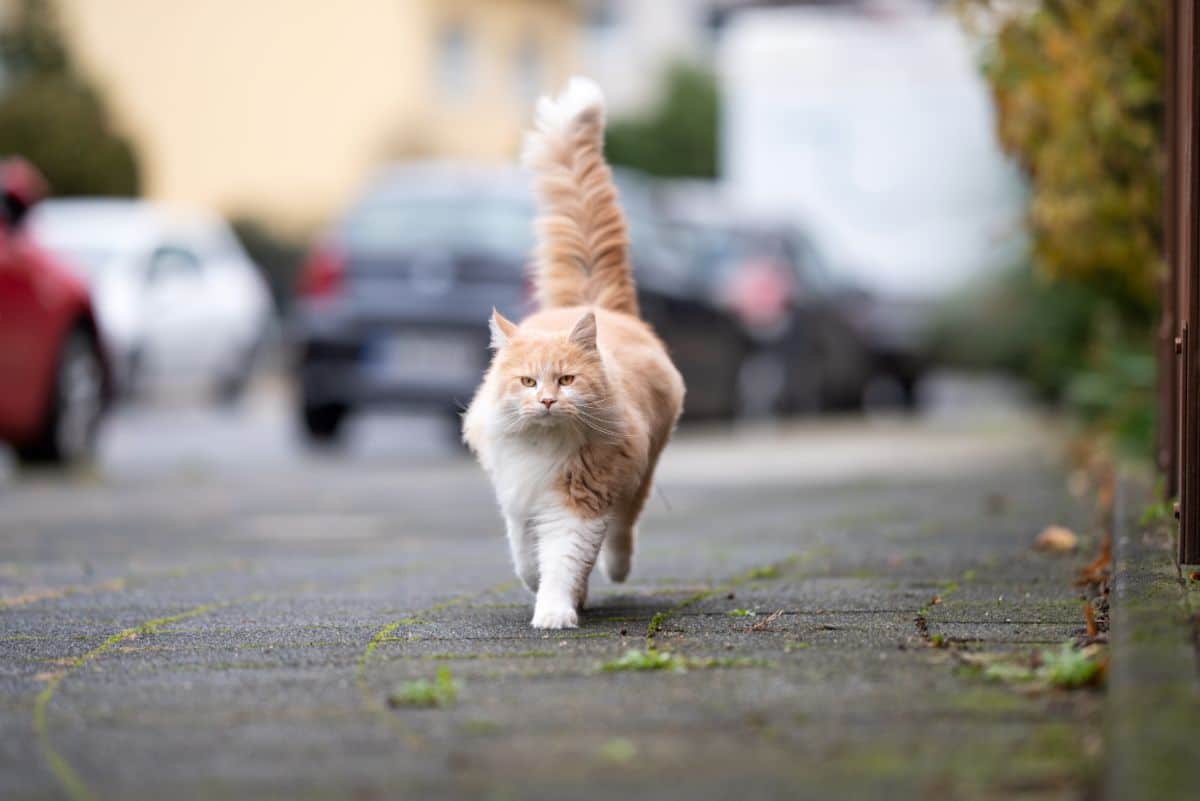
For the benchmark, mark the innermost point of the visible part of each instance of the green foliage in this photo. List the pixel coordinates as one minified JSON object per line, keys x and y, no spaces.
{"x":741,"y":613}
{"x":1069,"y":340}
{"x":618,"y":750}
{"x":59,"y":124}
{"x":650,"y":659}
{"x":53,"y":116}
{"x":1157,"y":512}
{"x":1115,"y":391}
{"x":1009,"y":673}
{"x":1067,"y":668}
{"x":1078,"y":86}
{"x":763,"y":573}
{"x":1071,"y":669}
{"x":1021,"y":323}
{"x":442,"y":691}
{"x":32,"y":45}
{"x":676,"y":139}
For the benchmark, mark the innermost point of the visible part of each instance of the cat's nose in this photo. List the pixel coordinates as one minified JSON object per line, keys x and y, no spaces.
{"x":548,"y":402}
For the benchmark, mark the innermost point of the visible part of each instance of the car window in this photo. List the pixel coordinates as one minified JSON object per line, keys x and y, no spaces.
{"x":715,"y":251}
{"x":87,"y":247}
{"x":216,"y":243}
{"x":443,"y":222}
{"x":173,"y":262}
{"x":810,"y":262}
{"x":93,"y":261}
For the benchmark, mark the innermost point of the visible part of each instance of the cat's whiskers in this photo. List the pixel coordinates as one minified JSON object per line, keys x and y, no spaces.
{"x":605,"y":427}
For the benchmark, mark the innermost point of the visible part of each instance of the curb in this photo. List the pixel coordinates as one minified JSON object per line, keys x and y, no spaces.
{"x":1152,"y":708}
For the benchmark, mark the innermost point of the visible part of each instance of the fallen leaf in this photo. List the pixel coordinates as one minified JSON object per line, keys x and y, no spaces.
{"x":1057,"y":539}
{"x":1096,"y":571}
{"x":1194,"y":575}
{"x":1089,"y":617}
{"x":935,"y":600}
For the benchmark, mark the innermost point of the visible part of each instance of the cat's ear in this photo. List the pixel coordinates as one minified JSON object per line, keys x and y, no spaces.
{"x":584,"y":332}
{"x":503,"y":330}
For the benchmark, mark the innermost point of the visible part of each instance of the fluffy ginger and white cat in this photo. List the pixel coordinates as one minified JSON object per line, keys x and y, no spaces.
{"x":581,"y":396}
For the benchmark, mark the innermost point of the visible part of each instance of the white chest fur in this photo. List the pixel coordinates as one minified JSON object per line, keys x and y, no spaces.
{"x":526,"y":469}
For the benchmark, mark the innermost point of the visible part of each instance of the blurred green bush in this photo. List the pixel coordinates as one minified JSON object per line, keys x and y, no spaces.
{"x":53,"y":116}
{"x":1078,"y":87}
{"x":678,"y":137}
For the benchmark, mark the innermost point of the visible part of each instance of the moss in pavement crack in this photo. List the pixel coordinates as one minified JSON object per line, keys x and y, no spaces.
{"x":385,"y":633}
{"x":72,"y":785}
{"x":766,"y":572}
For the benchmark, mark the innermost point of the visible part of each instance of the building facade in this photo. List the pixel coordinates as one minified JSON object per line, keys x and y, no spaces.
{"x":281,"y":108}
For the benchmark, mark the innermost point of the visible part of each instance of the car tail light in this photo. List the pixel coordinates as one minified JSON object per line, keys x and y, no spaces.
{"x":322,"y":275}
{"x":760,"y":294}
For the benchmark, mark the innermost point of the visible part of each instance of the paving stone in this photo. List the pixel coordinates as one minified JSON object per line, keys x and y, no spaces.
{"x":240,"y":637}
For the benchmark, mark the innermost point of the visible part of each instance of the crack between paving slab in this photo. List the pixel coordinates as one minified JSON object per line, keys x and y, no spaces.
{"x":74,"y":786}
{"x":117,"y":584}
{"x":66,"y":775}
{"x":769,"y":572}
{"x":384,"y":634}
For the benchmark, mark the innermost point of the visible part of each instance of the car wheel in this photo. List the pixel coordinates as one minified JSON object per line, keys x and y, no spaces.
{"x":323,"y":424}
{"x":75,"y":407}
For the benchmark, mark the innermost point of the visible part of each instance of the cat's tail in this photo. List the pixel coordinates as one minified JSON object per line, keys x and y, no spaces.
{"x":582,"y":255}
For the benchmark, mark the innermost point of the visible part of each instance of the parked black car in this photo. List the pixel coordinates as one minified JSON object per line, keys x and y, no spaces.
{"x":393,"y":302}
{"x":804,"y":355}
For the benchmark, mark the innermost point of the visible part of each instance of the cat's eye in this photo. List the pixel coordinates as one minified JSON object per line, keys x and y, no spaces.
{"x":564,"y":380}
{"x":527,"y":381}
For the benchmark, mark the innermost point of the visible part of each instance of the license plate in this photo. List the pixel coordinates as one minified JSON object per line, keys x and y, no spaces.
{"x":427,"y":357}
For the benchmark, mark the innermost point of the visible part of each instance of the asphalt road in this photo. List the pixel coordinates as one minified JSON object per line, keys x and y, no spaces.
{"x":216,"y":611}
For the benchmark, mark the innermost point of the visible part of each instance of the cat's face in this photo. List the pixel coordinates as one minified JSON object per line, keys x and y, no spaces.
{"x":549,"y":381}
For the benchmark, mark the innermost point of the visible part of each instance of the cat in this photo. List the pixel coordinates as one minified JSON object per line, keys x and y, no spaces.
{"x":581,"y":396}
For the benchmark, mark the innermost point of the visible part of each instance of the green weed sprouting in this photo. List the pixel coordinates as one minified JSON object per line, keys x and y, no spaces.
{"x":442,"y":691}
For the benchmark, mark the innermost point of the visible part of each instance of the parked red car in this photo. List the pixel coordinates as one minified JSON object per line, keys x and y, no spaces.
{"x":54,"y":376}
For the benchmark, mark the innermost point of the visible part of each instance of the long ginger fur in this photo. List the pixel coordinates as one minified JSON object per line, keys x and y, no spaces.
{"x":581,"y":397}
{"x":582,"y":255}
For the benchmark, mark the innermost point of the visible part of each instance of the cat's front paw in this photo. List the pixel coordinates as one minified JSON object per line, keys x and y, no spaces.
{"x":546,"y":616}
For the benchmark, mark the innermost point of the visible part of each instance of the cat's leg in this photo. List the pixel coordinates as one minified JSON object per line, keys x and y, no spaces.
{"x":523,"y":546}
{"x":617,"y":554}
{"x":567,"y":547}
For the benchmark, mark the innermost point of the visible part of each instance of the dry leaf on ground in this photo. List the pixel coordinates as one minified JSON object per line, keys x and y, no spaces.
{"x":1089,"y":617}
{"x":1096,"y":571}
{"x":1057,"y":539}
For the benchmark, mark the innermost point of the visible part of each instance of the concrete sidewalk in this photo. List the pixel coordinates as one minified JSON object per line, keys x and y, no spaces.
{"x":267,"y":636}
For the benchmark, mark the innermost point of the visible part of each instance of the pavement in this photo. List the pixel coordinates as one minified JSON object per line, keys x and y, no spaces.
{"x":233,"y":616}
{"x":1153,"y":697}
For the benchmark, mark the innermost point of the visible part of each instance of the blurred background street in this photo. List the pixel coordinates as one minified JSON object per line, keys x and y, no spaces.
{"x":905,"y":254}
{"x":273,"y":628}
{"x":179,"y":437}
{"x":350,"y":235}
